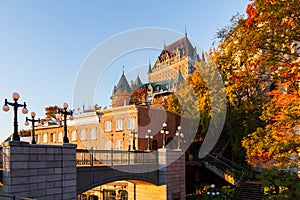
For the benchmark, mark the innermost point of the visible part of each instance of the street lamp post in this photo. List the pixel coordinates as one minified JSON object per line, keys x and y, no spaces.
{"x":133,"y":133}
{"x":149,"y":137}
{"x":164,"y":131}
{"x":32,"y":114}
{"x":179,"y":136}
{"x":16,"y":105}
{"x":63,"y":111}
{"x":212,"y":193}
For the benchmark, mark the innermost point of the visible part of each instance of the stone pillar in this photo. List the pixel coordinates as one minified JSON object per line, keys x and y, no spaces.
{"x":39,"y":171}
{"x":172,"y":173}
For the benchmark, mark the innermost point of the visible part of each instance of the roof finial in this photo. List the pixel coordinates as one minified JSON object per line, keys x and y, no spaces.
{"x":185,"y":33}
{"x":164,"y":42}
{"x":123,"y":70}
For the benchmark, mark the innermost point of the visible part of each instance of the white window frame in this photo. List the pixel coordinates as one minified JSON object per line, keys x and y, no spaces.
{"x":93,"y":133}
{"x":108,"y":145}
{"x":60,"y":137}
{"x":73,"y":136}
{"x":119,"y":125}
{"x":130,"y":123}
{"x":45,"y":138}
{"x":83,"y":134}
{"x":119,"y":144}
{"x":107,"y":126}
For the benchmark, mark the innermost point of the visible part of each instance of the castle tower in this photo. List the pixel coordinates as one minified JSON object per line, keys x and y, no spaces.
{"x":121,"y":93}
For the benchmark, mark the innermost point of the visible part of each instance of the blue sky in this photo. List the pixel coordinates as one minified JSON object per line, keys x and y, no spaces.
{"x":43,"y":44}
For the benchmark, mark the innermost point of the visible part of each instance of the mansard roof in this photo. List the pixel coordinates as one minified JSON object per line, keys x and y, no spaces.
{"x":183,"y":45}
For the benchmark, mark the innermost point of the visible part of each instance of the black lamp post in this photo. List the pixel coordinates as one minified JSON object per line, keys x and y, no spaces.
{"x":32,"y":114}
{"x":63,"y":111}
{"x":133,"y":133}
{"x":149,"y":137}
{"x":164,"y":131}
{"x":179,"y":136}
{"x":16,"y":105}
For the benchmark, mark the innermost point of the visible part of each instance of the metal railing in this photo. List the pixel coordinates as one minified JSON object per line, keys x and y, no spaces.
{"x":236,"y":191}
{"x":114,"y":157}
{"x":225,"y":168}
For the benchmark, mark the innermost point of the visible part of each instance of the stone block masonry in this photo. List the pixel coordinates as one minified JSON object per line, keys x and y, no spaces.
{"x":172,"y":173}
{"x":39,"y":171}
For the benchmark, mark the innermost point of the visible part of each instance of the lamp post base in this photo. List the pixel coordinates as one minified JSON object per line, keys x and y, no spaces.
{"x":66,"y":140}
{"x":15,"y":137}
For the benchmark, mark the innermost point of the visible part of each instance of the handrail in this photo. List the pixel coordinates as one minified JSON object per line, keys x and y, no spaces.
{"x":238,"y":187}
{"x":233,"y":164}
{"x":236,"y":173}
{"x":114,"y":157}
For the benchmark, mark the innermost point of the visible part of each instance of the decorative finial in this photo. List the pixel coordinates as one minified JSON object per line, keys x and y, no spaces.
{"x":123,"y":70}
{"x":185,"y":33}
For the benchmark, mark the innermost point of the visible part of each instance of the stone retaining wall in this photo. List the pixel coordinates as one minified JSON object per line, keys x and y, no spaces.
{"x":39,"y":171}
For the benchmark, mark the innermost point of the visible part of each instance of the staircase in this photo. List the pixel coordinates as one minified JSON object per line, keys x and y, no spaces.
{"x":229,"y":172}
{"x":250,"y":190}
{"x":221,"y":166}
{"x":232,"y":173}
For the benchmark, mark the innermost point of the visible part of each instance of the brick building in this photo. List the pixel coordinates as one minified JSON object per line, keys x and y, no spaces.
{"x":112,"y":128}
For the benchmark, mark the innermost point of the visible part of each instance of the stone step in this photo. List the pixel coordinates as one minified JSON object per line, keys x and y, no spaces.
{"x":251,"y":191}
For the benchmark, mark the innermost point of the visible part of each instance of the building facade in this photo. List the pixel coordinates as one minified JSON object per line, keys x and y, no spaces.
{"x":175,"y":59}
{"x":119,"y":128}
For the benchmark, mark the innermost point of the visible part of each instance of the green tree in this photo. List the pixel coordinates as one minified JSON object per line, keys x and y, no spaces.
{"x":279,"y":184}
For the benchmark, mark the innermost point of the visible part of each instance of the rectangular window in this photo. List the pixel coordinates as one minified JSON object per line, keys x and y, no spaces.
{"x":93,"y":134}
{"x":107,"y":126}
{"x":119,"y":126}
{"x":45,"y":138}
{"x":73,"y":136}
{"x":52,"y":137}
{"x":108,"y":145}
{"x":119,"y":144}
{"x":60,"y":137}
{"x":130,"y":123}
{"x":83,"y":134}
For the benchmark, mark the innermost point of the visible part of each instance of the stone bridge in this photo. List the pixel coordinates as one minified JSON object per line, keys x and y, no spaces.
{"x":62,"y":172}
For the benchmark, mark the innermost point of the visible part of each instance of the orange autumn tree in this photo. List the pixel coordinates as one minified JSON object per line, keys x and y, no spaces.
{"x":258,"y":57}
{"x":276,"y":25}
{"x":138,"y":96}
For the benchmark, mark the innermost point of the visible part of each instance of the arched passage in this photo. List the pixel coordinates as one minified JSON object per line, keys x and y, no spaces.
{"x":89,"y":177}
